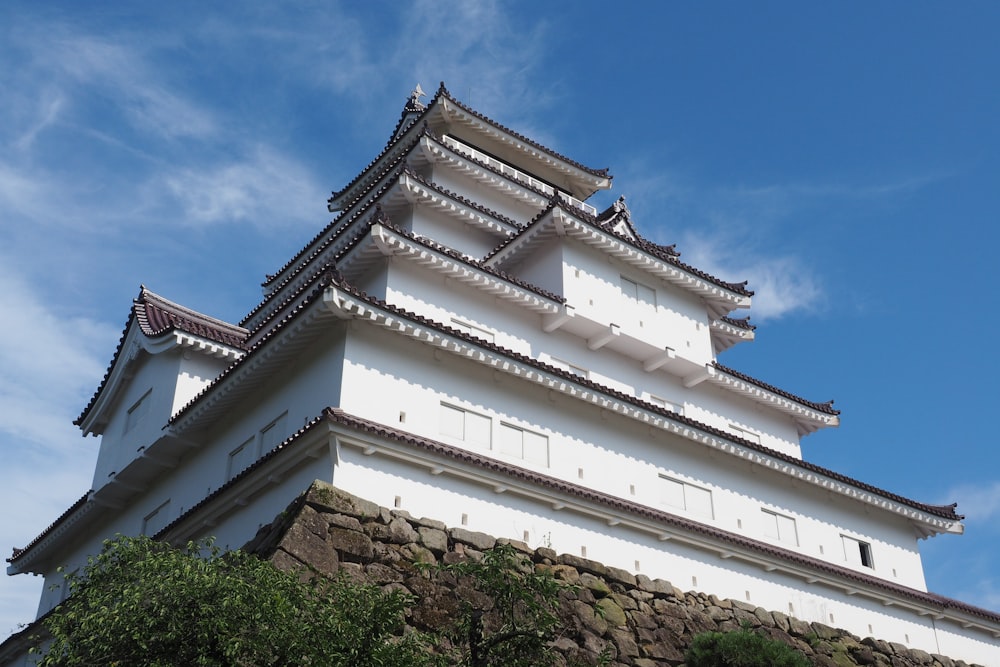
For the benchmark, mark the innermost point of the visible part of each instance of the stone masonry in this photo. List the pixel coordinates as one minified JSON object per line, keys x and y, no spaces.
{"x":638,"y":621}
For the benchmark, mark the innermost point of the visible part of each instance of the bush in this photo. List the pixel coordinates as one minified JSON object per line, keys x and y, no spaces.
{"x":741,"y":648}
{"x":141,"y":602}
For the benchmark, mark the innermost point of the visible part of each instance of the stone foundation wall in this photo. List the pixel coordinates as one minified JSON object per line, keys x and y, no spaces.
{"x":638,"y":621}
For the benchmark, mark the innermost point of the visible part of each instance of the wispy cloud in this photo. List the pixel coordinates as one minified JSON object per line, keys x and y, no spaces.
{"x":979,"y":503}
{"x":49,"y":365}
{"x":121,"y":71}
{"x":265,"y":188}
{"x":781,"y":284}
{"x":742,"y":232}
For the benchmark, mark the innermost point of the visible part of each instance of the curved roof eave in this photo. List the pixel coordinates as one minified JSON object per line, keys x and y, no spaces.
{"x":156,"y":324}
{"x":560,"y":219}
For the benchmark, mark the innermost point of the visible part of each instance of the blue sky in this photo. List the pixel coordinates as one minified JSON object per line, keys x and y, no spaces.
{"x":842,"y":157}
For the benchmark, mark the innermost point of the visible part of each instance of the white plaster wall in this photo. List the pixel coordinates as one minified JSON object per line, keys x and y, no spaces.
{"x":711,"y":404}
{"x":458,"y":502}
{"x":446,"y":177}
{"x":173,"y":378}
{"x":434,"y":296}
{"x":678,"y":320}
{"x":544,"y":267}
{"x":442,"y":299}
{"x":156,"y":375}
{"x":296,"y":395}
{"x":402,"y":383}
{"x":195,"y":372}
{"x":453,"y":232}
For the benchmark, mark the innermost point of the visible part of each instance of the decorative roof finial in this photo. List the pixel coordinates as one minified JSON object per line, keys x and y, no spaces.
{"x":621,"y":207}
{"x":414,"y":102}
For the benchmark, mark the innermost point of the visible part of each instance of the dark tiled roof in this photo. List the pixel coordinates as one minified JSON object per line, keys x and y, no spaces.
{"x":820,"y":407}
{"x":342,"y":226}
{"x":470,"y":261}
{"x":157,"y":316}
{"x":408,"y":118}
{"x":667,"y":254}
{"x":945,"y":511}
{"x":667,"y":519}
{"x":337,"y":416}
{"x":619,"y":212}
{"x":338,"y":222}
{"x":739,"y":322}
{"x":462,"y":200}
{"x":442,"y":91}
{"x":18,"y":552}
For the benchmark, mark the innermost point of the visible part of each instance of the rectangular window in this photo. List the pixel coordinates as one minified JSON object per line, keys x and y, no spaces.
{"x":858,"y":552}
{"x":744,"y":433}
{"x":241,"y":458}
{"x":272,"y":434}
{"x":638,"y":291}
{"x":469,"y":427}
{"x":527,"y":445}
{"x":779,"y":527}
{"x":687,"y":497}
{"x":138,"y":410}
{"x":664,"y":403}
{"x":156,"y":520}
{"x":473,"y":330}
{"x":566,"y":366}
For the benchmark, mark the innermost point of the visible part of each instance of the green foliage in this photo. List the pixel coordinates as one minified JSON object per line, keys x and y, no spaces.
{"x":509,"y":610}
{"x":141,"y":602}
{"x":741,"y":648}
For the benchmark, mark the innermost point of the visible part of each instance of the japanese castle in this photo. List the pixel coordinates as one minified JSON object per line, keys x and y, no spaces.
{"x":471,"y":340}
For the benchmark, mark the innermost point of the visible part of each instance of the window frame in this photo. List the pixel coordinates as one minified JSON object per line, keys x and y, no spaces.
{"x":689,"y":505}
{"x":779,"y":534}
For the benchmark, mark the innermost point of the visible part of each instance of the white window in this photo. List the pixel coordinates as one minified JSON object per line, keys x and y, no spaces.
{"x":241,"y":458}
{"x":523,"y":444}
{"x":473,"y":330}
{"x":156,"y":520}
{"x":566,"y":366}
{"x":687,"y":497}
{"x":138,"y":410}
{"x":665,"y":404}
{"x":638,"y":291}
{"x":469,"y":427}
{"x":272,"y":434}
{"x":744,"y":433}
{"x":857,"y":552}
{"x":779,"y":527}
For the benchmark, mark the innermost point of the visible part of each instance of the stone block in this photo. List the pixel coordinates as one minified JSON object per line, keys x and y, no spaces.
{"x":300,"y":542}
{"x":477,"y":540}
{"x":325,"y":497}
{"x":434,"y":539}
{"x":353,"y":547}
{"x":611,"y":612}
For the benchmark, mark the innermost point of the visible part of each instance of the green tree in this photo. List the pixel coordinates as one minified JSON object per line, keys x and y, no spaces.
{"x":142,"y":602}
{"x":509,"y":610}
{"x":741,"y":648}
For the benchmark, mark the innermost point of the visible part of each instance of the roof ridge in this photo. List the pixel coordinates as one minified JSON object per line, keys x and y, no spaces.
{"x":826,"y":407}
{"x":442,"y":91}
{"x":149,"y":297}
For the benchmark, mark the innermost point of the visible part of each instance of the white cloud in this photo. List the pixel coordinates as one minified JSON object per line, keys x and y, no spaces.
{"x":781,"y":284}
{"x":267,"y":189}
{"x":484,"y":58}
{"x":48,"y":364}
{"x":49,"y":367}
{"x":978,"y":502}
{"x":121,"y":71}
{"x":45,"y":113}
